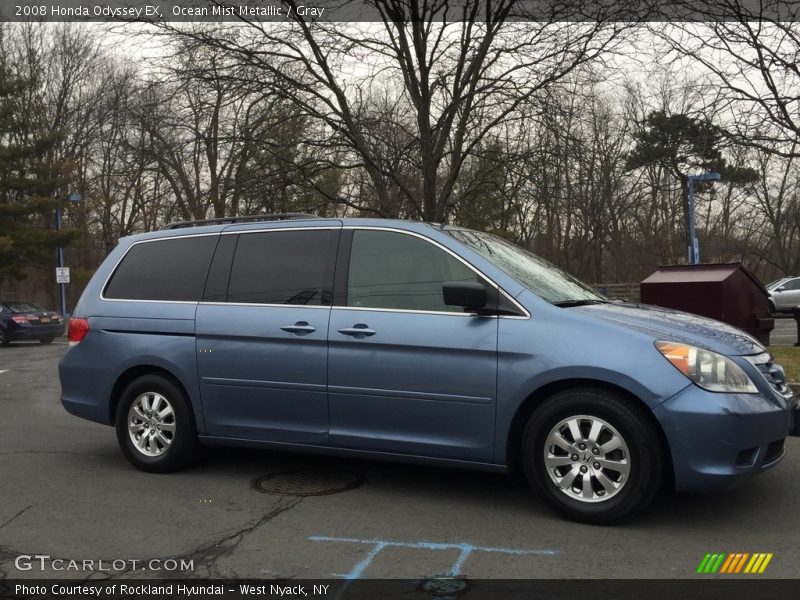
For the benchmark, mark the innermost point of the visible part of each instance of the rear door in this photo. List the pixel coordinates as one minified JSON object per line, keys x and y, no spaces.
{"x":408,"y":374}
{"x":262,"y":334}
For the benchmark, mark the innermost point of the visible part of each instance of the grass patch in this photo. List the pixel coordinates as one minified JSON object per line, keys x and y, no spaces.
{"x":789,"y":358}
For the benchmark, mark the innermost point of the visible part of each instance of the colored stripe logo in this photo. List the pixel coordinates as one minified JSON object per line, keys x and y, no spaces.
{"x":735,"y":563}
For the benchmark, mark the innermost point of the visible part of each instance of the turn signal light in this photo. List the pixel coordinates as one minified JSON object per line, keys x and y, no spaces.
{"x":679,"y":355}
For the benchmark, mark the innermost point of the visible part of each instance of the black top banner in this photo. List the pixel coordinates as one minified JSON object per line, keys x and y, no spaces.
{"x":398,"y":10}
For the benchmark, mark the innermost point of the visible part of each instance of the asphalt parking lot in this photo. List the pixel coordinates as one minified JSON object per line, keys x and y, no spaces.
{"x":67,"y":492}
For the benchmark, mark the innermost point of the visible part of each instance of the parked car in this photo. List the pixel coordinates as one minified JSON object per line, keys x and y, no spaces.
{"x":28,"y":321}
{"x":415,"y":342}
{"x":784,"y":294}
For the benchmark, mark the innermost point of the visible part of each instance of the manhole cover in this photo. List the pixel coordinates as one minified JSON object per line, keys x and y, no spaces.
{"x":445,"y":587}
{"x":306,"y":482}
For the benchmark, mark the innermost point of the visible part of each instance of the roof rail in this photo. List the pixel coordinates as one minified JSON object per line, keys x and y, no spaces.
{"x":243,"y":219}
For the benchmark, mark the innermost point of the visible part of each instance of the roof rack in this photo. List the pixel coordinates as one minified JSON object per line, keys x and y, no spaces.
{"x":243,"y":219}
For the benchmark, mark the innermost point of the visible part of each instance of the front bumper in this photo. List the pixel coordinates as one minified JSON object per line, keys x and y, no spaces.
{"x":718,"y":441}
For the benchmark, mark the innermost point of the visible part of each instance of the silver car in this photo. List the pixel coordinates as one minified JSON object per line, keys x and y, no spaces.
{"x":784,"y":294}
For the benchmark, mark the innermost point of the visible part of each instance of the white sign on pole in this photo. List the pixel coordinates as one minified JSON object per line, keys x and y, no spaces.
{"x":62,"y":274}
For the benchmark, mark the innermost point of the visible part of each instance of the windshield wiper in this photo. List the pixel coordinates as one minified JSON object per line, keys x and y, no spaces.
{"x":571,"y":303}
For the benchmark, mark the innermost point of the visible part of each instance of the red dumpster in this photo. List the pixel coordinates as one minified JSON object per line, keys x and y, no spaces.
{"x":725,"y":292}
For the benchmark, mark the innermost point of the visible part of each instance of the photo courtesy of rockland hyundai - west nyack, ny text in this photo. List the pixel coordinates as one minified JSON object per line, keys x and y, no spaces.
{"x":414,"y":299}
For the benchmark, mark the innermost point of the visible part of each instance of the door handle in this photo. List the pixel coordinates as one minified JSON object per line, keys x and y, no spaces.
{"x":300,"y":328}
{"x":358,"y":330}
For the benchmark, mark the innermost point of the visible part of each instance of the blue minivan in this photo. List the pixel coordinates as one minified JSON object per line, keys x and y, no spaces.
{"x":419,"y":342}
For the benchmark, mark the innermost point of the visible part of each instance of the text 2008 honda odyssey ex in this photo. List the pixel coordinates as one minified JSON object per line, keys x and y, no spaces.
{"x":419,"y":342}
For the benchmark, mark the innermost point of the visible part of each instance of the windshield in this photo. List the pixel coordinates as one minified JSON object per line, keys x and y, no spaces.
{"x":544,"y":279}
{"x":777,"y":283}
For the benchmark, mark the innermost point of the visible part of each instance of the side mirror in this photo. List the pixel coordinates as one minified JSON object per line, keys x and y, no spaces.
{"x":781,"y":289}
{"x":470,"y":295}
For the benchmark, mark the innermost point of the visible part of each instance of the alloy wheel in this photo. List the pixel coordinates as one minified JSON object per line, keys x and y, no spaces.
{"x":151,"y":424}
{"x":587,"y":459}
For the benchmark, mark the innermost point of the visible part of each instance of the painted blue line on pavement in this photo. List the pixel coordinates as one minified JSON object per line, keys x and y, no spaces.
{"x":359,"y":569}
{"x":433,"y":545}
{"x":464,"y":549}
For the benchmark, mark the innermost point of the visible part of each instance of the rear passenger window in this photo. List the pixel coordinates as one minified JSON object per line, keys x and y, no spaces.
{"x":281,"y":267}
{"x":399,"y":271}
{"x":168,"y":270}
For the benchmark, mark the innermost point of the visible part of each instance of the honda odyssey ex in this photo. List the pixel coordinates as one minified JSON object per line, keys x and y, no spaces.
{"x":417,"y":342}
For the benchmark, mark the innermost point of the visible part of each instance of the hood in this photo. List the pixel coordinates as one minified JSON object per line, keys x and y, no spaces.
{"x":675,"y":326}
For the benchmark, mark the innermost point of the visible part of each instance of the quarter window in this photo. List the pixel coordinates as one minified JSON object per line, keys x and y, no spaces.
{"x":397,"y":271}
{"x":168,"y":270}
{"x":281,"y":267}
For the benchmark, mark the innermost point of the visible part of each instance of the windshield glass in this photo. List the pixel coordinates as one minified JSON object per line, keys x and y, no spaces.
{"x":776,"y":283}
{"x":541,"y":277}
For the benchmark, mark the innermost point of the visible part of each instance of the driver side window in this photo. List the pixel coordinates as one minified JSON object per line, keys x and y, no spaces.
{"x":399,"y":271}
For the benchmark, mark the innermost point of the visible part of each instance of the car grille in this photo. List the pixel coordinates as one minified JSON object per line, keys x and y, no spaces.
{"x":772,"y":372}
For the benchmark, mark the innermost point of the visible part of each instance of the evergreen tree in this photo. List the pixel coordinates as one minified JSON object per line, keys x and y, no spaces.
{"x":684,"y":146}
{"x":32,"y":180}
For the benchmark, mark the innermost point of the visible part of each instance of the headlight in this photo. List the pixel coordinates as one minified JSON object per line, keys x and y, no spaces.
{"x":711,"y":371}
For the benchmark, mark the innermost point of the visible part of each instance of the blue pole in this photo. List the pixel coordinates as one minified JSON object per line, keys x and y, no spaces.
{"x":694,"y":253}
{"x":60,"y":256}
{"x":694,"y":246}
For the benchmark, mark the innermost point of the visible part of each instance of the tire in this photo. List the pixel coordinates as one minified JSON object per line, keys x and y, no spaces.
{"x":46,"y":340}
{"x":612,"y":495}
{"x":4,"y":341}
{"x":152,"y":394}
{"x":772,"y":307}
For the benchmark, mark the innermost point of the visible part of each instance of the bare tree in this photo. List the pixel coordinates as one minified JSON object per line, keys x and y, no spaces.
{"x":751,"y":49}
{"x":774,"y":230}
{"x":462,"y":71}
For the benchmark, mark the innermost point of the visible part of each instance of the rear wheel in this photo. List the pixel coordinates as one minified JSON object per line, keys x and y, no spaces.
{"x":593,"y":456}
{"x":4,"y":340}
{"x":155,"y":426}
{"x":46,"y":340}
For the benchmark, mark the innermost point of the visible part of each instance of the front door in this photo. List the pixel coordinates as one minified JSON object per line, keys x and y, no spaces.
{"x":406,"y":373}
{"x":790,"y":296}
{"x":262,"y":335}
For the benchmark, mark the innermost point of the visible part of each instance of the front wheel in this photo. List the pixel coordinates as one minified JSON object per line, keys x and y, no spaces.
{"x":46,"y":340}
{"x":593,"y":455}
{"x":155,"y":426}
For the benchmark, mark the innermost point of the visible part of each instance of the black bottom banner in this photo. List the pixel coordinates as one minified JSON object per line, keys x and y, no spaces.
{"x":441,"y":588}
